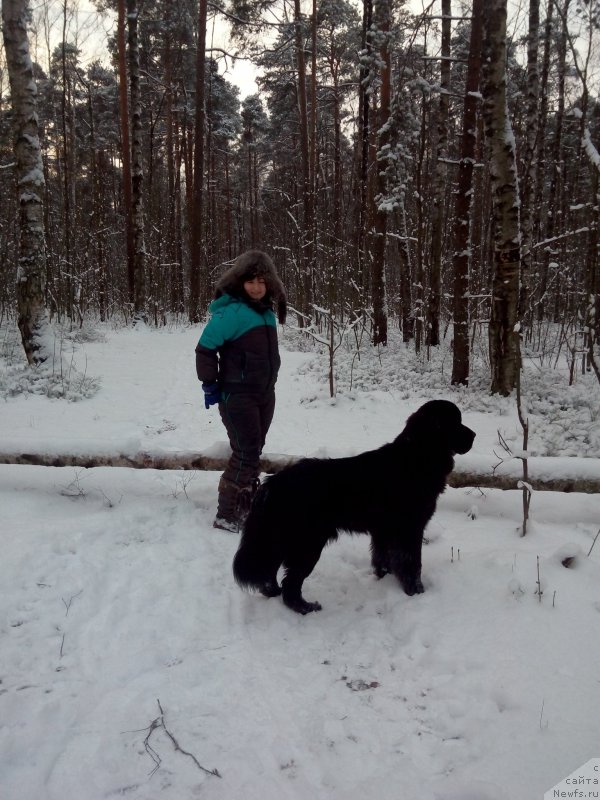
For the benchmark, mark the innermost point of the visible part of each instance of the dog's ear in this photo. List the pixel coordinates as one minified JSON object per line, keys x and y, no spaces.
{"x":464,"y":440}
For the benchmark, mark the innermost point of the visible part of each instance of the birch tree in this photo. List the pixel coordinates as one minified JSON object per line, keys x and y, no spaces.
{"x":31,"y":274}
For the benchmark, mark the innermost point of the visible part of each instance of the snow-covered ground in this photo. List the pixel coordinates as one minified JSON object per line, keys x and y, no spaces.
{"x":131,"y":665}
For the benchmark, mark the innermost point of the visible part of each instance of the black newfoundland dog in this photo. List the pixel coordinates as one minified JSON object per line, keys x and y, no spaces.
{"x":389,"y":493}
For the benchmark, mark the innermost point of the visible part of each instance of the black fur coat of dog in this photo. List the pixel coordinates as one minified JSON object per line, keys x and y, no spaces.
{"x":389,"y":493}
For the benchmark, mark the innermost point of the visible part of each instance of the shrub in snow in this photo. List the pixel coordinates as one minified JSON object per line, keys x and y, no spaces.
{"x":55,"y":378}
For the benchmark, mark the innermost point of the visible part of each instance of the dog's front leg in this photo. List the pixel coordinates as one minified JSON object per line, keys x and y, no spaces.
{"x":406,"y":566}
{"x":411,"y":583}
{"x":380,"y":558}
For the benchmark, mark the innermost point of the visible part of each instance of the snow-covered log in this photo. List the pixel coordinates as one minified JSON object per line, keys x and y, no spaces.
{"x":184,"y":460}
{"x":545,"y":473}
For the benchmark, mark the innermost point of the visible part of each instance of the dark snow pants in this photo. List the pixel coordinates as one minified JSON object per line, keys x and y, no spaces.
{"x":247,"y":418}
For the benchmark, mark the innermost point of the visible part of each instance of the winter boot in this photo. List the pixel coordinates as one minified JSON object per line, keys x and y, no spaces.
{"x":226,"y":524}
{"x":227,"y":518}
{"x":245,"y":498}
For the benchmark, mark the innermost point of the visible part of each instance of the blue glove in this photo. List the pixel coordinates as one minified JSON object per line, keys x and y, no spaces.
{"x":212,"y":394}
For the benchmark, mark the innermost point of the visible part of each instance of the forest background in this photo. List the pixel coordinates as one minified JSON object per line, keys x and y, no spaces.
{"x":435,"y":170}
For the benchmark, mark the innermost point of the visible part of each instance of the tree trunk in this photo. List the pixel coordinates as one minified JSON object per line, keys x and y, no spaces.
{"x":461,"y":239}
{"x":556,"y":161}
{"x":439,"y":185}
{"x":528,"y":190}
{"x":137,"y":171}
{"x":419,"y":278}
{"x":592,"y":274}
{"x":313,"y":161}
{"x":504,"y":319}
{"x":538,"y":221}
{"x":307,"y":223}
{"x":405,"y":311}
{"x":125,"y":149}
{"x":98,"y":220}
{"x":197,"y":209}
{"x":67,"y":170}
{"x":31,"y":275}
{"x":378,"y":232}
{"x":174,"y":290}
{"x":364,"y":132}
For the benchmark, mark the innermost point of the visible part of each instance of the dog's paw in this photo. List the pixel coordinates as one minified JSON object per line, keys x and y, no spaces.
{"x":381,"y":572}
{"x":412,"y":586}
{"x":308,"y":607}
{"x":381,"y":567}
{"x":302,"y":606}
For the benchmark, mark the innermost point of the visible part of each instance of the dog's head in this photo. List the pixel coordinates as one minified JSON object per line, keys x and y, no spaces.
{"x":440,"y":422}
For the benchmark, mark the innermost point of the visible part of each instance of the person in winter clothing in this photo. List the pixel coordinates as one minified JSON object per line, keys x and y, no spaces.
{"x":237,"y":361}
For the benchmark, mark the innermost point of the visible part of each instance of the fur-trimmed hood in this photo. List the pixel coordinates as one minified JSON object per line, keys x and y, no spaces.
{"x":249,"y":265}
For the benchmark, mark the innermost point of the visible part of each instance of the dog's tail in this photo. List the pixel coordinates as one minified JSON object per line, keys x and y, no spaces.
{"x":259,"y":556}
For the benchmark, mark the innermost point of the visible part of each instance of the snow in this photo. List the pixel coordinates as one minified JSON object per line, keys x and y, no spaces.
{"x":590,"y":149}
{"x":35,"y":176}
{"x":117,"y":596}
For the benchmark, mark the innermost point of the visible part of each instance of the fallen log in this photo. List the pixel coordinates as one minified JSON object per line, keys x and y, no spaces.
{"x":213,"y":459}
{"x":545,"y":473}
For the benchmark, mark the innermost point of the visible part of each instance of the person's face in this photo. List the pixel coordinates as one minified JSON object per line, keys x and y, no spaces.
{"x":256,"y":289}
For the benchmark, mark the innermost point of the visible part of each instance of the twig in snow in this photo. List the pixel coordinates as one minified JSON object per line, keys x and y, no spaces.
{"x":539,"y":591}
{"x":148,"y":747}
{"x":594,"y":542}
{"x":504,"y":445}
{"x":524,"y":484}
{"x":159,"y":722}
{"x":74,"y":489}
{"x":176,"y":745}
{"x":68,"y":604}
{"x":543,"y":724}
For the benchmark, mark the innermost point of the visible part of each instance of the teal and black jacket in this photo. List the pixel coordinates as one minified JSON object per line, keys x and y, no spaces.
{"x":238,"y":348}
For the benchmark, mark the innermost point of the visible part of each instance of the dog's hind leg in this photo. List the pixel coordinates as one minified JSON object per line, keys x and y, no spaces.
{"x":297,"y":568}
{"x":291,"y":587}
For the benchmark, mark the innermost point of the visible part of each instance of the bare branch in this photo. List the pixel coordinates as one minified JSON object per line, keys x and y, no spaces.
{"x":158,"y":723}
{"x":68,"y":603}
